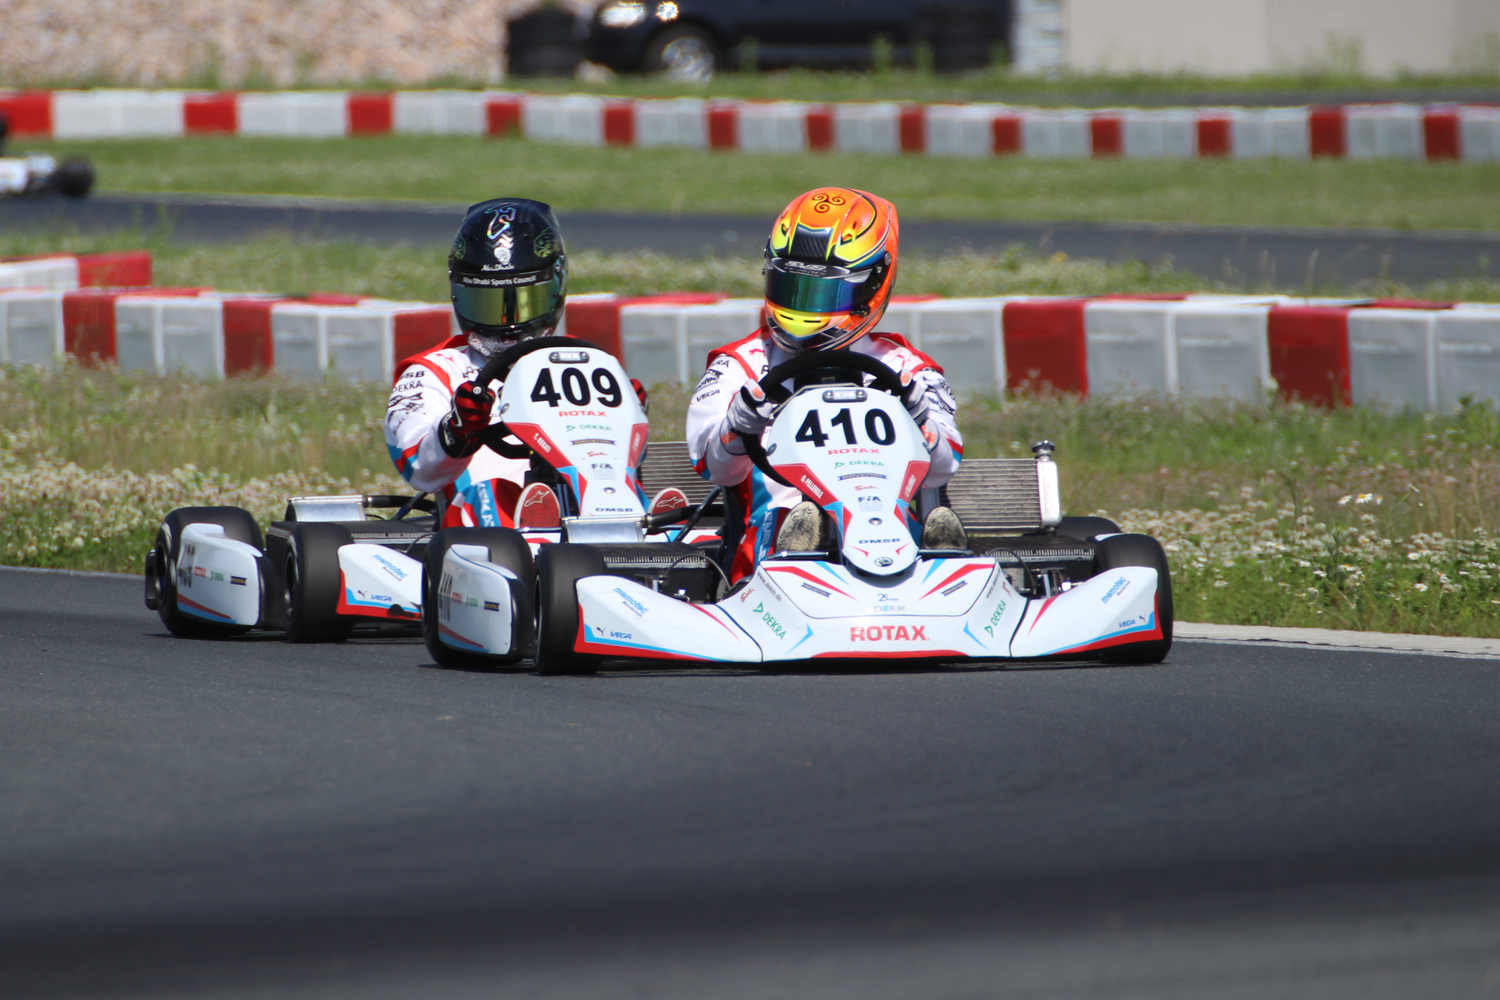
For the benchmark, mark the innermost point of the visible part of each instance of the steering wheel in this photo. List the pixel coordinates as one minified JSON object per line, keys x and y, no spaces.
{"x":885,"y":379}
{"x":498,"y":369}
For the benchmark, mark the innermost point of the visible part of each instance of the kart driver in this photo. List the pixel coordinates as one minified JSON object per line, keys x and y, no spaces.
{"x":829,"y":268}
{"x":508,"y":273}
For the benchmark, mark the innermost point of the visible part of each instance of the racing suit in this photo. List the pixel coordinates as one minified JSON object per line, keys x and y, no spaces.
{"x":482,"y":488}
{"x":764,"y":501}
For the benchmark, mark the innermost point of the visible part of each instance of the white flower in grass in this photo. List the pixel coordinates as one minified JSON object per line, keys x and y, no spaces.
{"x":1420,"y":588}
{"x":1220,"y":584}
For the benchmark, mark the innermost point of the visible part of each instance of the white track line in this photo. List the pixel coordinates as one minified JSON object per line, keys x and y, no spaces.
{"x":1383,"y":641}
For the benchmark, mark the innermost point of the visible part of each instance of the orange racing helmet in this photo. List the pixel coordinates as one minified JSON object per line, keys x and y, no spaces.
{"x":830,"y":267}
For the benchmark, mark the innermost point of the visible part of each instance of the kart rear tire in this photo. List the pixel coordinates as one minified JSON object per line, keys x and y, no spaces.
{"x":508,"y":548}
{"x":312,"y":579}
{"x":1085,"y":529}
{"x":558,"y":570}
{"x":161,"y":565}
{"x":1119,"y":551}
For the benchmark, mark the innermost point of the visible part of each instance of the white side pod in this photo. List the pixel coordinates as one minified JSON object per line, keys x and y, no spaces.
{"x":218,"y":578}
{"x":479,"y":604}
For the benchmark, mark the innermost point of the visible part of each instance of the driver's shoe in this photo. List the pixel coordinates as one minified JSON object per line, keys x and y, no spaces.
{"x":537,"y":508}
{"x":802,"y":529}
{"x":944,"y":530}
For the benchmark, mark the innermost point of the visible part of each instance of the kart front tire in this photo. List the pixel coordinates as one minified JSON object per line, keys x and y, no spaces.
{"x":1119,"y":551}
{"x":161,"y":566}
{"x":312,"y":580}
{"x":558,"y":570}
{"x":508,"y":549}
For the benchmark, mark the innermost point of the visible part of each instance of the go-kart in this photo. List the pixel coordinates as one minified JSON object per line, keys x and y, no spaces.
{"x":332,"y":564}
{"x":39,"y":173}
{"x":852,"y":449}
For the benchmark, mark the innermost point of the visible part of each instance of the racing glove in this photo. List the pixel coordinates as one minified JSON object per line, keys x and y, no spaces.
{"x":914,"y":398}
{"x":461,"y":431}
{"x":749,"y":416}
{"x":640,"y":393}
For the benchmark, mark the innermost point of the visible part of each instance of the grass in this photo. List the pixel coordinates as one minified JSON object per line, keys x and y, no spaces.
{"x":1271,"y":514}
{"x":1449,"y":195}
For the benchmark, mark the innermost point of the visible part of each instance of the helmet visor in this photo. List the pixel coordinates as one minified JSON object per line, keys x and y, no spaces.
{"x":814,"y":288}
{"x":506,"y":301}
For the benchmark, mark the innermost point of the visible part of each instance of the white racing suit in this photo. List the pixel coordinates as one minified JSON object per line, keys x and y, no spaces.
{"x":764,"y":501}
{"x":482,"y":488}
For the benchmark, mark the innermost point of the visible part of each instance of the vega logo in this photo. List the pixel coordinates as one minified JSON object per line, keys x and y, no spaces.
{"x":770,"y":620}
{"x":995,"y":619}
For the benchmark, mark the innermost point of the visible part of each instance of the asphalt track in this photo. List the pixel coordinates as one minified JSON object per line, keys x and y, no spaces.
{"x":1288,"y":258}
{"x":250,"y":818}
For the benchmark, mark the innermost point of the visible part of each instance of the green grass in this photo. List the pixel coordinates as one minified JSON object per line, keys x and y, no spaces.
{"x":1452,"y":195}
{"x":1273,"y":514}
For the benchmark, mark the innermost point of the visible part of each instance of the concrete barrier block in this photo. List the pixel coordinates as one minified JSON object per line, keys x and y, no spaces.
{"x":867,"y":128}
{"x":1054,"y":134}
{"x":302,"y":115}
{"x":53,"y":273}
{"x":1467,"y":356}
{"x":681,"y":122}
{"x":962,"y":129}
{"x":299,"y":345}
{"x":138,"y":335}
{"x":439,"y":112}
{"x":708,"y":326}
{"x":1479,"y":134}
{"x":360,"y":343}
{"x":1221,"y":350}
{"x":1045,"y":345}
{"x":32,"y":327}
{"x":1391,"y":358}
{"x":1154,"y":134}
{"x":1129,"y":348}
{"x":654,"y":340}
{"x":1258,"y":133}
{"x":1383,"y":131}
{"x":964,"y":336}
{"x":776,"y":127}
{"x":115,"y":114}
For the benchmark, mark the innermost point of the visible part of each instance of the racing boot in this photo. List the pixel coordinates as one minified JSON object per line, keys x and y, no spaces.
{"x":944,"y":530}
{"x":537,"y":508}
{"x":802,"y":531}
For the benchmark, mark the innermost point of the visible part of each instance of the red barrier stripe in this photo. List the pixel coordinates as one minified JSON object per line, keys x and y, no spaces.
{"x":619,"y":123}
{"x":913,"y":124}
{"x":1215,"y":137}
{"x":502,"y":116}
{"x":820,"y":128}
{"x":1045,"y":346}
{"x":723,"y":126}
{"x":370,"y":114}
{"x":29,"y":113}
{"x":1005,"y":135}
{"x":1325,"y":128}
{"x":1309,"y":348}
{"x":1107,"y":133}
{"x":1441,"y":135}
{"x":210,"y":114}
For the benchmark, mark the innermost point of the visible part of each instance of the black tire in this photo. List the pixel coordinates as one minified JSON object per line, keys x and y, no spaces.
{"x":161,"y":565}
{"x":1139,"y":550}
{"x":1086,"y":529}
{"x":73,"y":178}
{"x":508,"y":549}
{"x":684,"y":52}
{"x":558,"y":570}
{"x":311,"y":581}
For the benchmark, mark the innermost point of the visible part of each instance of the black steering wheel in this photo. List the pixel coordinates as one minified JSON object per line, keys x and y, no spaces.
{"x":885,"y":379}
{"x":498,"y":369}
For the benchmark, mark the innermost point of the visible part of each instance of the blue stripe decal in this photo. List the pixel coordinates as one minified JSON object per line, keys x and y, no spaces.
{"x":933,"y":568}
{"x":601,"y":641}
{"x":801,"y":640}
{"x":976,"y":638}
{"x":450,"y":639}
{"x":205,"y":614}
{"x":1150,"y":624}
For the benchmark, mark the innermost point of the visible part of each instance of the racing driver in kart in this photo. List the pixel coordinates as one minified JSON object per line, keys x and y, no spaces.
{"x":830,"y":265}
{"x":508,"y":275}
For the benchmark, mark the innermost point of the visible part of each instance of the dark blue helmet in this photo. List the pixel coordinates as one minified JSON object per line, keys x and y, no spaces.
{"x":508,"y":271}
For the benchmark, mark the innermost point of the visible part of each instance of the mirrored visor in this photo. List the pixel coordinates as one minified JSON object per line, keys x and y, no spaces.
{"x":505,"y":301}
{"x":813,"y":288}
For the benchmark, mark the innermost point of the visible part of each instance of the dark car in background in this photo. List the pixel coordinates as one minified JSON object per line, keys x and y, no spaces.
{"x":691,"y":39}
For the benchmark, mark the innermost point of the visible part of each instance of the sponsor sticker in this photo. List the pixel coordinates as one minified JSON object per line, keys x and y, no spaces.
{"x":995,"y":619}
{"x":887,"y":633}
{"x":1115,"y":590}
{"x":492,"y":605}
{"x":770,"y":621}
{"x":632,"y":605}
{"x":237,"y":581}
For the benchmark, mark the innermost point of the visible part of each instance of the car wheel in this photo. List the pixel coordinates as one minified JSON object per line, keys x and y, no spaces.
{"x":558,"y":570}
{"x":1139,"y":550}
{"x":312,"y":580}
{"x":1086,"y":529}
{"x":507,"y":549}
{"x":684,"y":54}
{"x":161,"y":566}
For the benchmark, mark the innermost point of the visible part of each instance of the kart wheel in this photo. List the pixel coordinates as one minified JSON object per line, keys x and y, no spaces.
{"x":1139,"y":550}
{"x":508,"y":549}
{"x":1086,"y":528}
{"x":558,"y":570}
{"x":161,"y":566}
{"x":312,"y":580}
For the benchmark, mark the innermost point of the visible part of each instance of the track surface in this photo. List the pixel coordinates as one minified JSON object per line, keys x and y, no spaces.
{"x":1284,"y":258}
{"x":252,"y":819}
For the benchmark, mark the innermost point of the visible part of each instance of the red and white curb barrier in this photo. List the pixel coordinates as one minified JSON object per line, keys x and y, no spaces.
{"x":1390,"y":354}
{"x":1356,"y":131}
{"x":68,"y":271}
